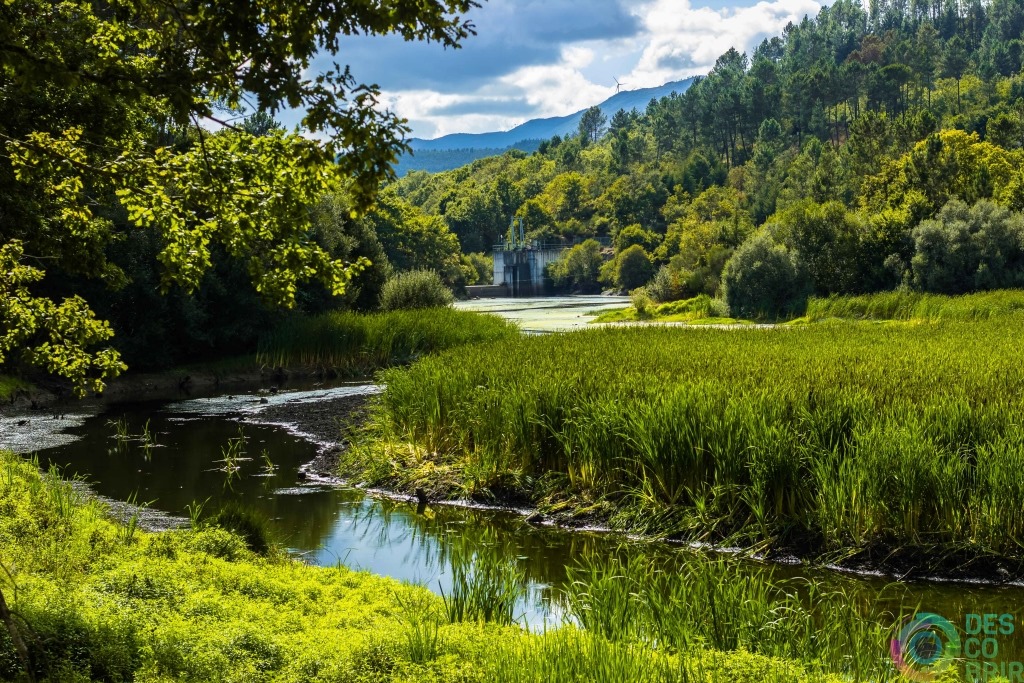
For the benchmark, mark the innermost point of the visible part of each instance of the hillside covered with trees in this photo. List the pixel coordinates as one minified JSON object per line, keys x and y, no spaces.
{"x":861,"y":150}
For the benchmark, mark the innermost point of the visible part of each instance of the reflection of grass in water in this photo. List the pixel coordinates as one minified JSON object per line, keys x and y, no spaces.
{"x":251,"y":525}
{"x":232,"y":454}
{"x":484,"y":588}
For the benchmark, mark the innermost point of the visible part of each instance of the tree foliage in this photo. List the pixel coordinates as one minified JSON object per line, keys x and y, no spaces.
{"x":764,"y":279}
{"x":838,"y":138}
{"x":108,"y":107}
{"x":968,"y":248}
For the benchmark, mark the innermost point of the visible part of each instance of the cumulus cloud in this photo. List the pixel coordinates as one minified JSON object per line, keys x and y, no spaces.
{"x":541,"y":58}
{"x":682,"y":40}
{"x":511,"y":34}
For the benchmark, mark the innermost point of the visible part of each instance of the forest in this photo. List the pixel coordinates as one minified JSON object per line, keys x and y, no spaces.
{"x":862,"y":150}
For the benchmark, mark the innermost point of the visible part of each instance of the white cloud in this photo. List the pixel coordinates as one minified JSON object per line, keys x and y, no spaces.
{"x":685,"y":41}
{"x":677,"y":41}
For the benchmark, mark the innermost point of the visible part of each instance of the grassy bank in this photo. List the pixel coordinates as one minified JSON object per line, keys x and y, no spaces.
{"x":830,"y":438}
{"x":895,"y":305}
{"x":700,"y":310}
{"x":361,"y":343}
{"x":907,"y":305}
{"x":99,"y":601}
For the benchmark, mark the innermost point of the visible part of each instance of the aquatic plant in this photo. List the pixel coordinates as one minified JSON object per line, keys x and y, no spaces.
{"x":356,"y":344}
{"x":692,"y":602}
{"x":829,"y":437}
{"x":485,"y":587}
{"x":415,"y":289}
{"x":195,"y":604}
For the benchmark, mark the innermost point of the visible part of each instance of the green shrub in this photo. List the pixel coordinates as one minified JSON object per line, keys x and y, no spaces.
{"x":643,"y":303}
{"x":633,"y":268}
{"x":415,"y":289}
{"x":665,"y":286}
{"x":764,"y":279}
{"x":578,"y":268}
{"x":483,"y":265}
{"x":969,"y":248}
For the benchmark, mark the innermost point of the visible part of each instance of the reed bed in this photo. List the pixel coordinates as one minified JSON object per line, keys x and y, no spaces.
{"x":909,"y":305}
{"x":837,"y":436}
{"x":697,"y":603}
{"x":359,"y":343}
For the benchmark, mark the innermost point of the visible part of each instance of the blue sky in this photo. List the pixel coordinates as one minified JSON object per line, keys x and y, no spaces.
{"x":537,"y":58}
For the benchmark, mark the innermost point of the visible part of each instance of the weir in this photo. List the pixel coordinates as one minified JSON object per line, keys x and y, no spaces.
{"x":520,"y":265}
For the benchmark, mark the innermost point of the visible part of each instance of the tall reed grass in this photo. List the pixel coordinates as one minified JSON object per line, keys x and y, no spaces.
{"x":698,"y":603}
{"x":359,"y":344}
{"x":838,"y":436}
{"x":909,"y":305}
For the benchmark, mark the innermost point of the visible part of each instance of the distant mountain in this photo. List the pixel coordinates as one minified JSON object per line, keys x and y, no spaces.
{"x":437,"y":160}
{"x":458,"y":149}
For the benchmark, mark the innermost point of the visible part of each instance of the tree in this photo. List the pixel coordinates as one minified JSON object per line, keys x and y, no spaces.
{"x":592,"y":125}
{"x":96,"y":96}
{"x":578,"y":268}
{"x":954,"y":63}
{"x":635,"y":235}
{"x":763,"y":279}
{"x":103,"y":106}
{"x":969,"y":248}
{"x":633,"y":268}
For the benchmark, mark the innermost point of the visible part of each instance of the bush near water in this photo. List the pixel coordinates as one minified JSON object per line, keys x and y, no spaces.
{"x":415,"y":289}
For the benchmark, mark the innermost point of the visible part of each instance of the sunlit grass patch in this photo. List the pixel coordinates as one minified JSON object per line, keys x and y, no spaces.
{"x":909,"y":305}
{"x":196,"y":604}
{"x":831,"y":436}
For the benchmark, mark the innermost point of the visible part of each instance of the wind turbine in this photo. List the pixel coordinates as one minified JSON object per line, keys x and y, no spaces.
{"x":618,"y":86}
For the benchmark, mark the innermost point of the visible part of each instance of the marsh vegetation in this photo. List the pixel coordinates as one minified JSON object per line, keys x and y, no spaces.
{"x":832,"y":438}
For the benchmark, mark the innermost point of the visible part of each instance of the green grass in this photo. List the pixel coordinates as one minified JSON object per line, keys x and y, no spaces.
{"x":700,"y":310}
{"x":908,"y":305}
{"x":95,"y":603}
{"x":359,"y":344}
{"x":9,"y":385}
{"x":689,"y":601}
{"x":832,"y":438}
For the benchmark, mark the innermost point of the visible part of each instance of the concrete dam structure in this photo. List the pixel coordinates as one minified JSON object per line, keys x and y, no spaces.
{"x":520,"y":271}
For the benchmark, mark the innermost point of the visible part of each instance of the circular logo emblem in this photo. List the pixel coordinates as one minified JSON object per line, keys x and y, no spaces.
{"x":926,"y":645}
